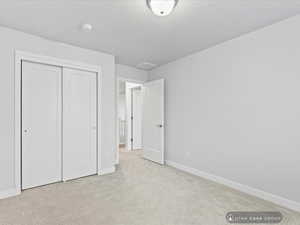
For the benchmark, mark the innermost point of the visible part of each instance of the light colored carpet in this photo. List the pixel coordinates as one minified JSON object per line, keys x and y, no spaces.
{"x":139,"y":193}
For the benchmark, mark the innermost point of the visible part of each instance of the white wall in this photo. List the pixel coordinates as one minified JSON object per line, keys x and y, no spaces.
{"x":122,"y":106}
{"x":13,"y":40}
{"x":131,"y":73}
{"x":234,"y":110}
{"x":137,"y":104}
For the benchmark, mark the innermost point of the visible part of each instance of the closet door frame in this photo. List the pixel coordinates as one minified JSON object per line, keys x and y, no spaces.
{"x":48,"y":60}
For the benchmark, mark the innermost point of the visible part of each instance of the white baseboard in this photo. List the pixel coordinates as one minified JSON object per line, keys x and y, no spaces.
{"x":107,"y":170}
{"x":240,"y":187}
{"x":9,"y":193}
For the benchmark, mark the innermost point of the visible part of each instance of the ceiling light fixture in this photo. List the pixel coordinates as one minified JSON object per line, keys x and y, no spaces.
{"x":86,"y":27}
{"x":162,"y":7}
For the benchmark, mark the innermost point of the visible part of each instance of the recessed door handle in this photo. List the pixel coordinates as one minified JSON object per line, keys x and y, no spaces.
{"x":159,"y":125}
{"x":25,"y":131}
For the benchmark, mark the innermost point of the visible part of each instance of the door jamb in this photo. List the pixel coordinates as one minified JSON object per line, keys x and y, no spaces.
{"x":21,"y":56}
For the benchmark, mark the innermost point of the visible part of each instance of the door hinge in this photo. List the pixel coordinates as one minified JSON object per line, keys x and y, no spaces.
{"x":131,"y":139}
{"x":132,"y":117}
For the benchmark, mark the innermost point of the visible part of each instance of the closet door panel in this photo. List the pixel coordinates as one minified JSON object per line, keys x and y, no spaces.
{"x":79,"y":124}
{"x":41,"y":124}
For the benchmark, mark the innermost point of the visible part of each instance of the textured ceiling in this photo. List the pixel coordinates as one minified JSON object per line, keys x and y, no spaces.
{"x":128,"y":30}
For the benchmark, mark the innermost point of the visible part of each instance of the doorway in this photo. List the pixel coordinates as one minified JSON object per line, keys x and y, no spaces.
{"x":140,"y":119}
{"x":129,"y":116}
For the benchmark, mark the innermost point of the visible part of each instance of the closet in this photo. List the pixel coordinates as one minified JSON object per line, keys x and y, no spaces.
{"x":59,"y":124}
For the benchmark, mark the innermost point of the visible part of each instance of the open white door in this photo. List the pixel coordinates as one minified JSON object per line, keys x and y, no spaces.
{"x":153,"y":121}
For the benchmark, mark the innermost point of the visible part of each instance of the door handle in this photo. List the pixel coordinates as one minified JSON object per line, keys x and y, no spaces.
{"x":159,"y":125}
{"x":25,"y":130}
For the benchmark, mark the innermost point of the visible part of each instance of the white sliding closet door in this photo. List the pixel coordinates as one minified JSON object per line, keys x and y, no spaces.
{"x":41,"y":124}
{"x":79,"y":123}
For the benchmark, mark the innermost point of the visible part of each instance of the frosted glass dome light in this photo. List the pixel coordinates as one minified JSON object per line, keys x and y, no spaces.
{"x":162,"y":7}
{"x":86,"y":27}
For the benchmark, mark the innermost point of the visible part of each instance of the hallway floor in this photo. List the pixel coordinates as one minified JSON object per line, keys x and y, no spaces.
{"x":139,"y":193}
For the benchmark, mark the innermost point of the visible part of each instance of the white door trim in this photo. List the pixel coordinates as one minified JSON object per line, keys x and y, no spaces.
{"x":117,"y":114}
{"x":21,"y":55}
